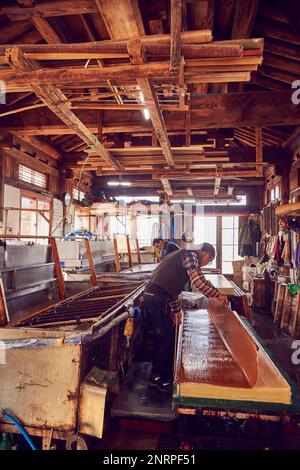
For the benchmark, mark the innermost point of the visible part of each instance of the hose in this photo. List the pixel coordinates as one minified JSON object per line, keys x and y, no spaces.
{"x":21,"y":429}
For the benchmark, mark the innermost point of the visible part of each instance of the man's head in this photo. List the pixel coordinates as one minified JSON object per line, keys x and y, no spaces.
{"x":206,"y":253}
{"x":159,"y":243}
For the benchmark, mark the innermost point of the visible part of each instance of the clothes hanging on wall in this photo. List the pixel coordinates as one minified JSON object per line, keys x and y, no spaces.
{"x":249,"y":238}
{"x":296,"y":256}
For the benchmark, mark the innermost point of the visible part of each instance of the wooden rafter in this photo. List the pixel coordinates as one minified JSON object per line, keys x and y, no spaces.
{"x":150,"y":98}
{"x":212,"y":111}
{"x":46,"y":30}
{"x":175,"y":34}
{"x":217,"y":185}
{"x":49,"y":9}
{"x":167,"y":187}
{"x":244,"y":16}
{"x":42,"y":146}
{"x":63,"y":76}
{"x":57,"y":102}
{"x":259,"y":150}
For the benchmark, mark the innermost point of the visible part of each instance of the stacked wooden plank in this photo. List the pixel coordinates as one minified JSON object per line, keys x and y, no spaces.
{"x":287,"y":311}
{"x":204,"y":62}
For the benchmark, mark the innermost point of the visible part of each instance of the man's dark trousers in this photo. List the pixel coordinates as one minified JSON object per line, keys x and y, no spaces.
{"x":159,"y":316}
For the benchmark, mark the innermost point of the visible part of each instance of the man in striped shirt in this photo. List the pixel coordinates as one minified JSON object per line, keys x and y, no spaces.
{"x":163,"y":306}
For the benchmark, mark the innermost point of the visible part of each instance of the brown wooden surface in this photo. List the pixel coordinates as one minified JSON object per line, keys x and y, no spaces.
{"x":129,"y":251}
{"x":236,"y":338}
{"x":117,"y":259}
{"x":91,"y":262}
{"x":58,"y":271}
{"x":206,"y":368}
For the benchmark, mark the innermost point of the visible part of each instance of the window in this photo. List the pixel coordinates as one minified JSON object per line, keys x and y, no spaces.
{"x":147,"y":229}
{"x":205,"y":230}
{"x":230,"y":237}
{"x":78,"y":195}
{"x":119,"y":225}
{"x":275,"y":194}
{"x":32,"y":177}
{"x":81,"y":219}
{"x":34,"y":222}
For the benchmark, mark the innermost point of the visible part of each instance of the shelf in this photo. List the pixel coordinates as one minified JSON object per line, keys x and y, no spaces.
{"x":288,"y":210}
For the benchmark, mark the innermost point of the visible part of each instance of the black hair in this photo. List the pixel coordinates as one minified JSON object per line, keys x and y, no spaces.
{"x":157,"y":240}
{"x":208,"y":248}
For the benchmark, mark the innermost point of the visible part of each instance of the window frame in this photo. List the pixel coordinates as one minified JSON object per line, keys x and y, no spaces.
{"x":37,"y":198}
{"x":33,"y":171}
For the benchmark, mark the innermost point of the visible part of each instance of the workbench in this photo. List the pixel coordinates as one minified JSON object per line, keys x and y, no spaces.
{"x":220,"y":282}
{"x":213,"y":403}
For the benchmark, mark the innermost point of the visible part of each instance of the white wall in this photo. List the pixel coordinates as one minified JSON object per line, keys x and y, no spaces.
{"x":57,"y":220}
{"x":12,"y":199}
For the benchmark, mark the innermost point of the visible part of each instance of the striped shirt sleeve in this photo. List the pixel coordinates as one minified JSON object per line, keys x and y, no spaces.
{"x":203,"y":285}
{"x":193,"y":267}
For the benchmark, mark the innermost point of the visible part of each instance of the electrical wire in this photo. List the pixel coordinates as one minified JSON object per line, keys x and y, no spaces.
{"x":20,"y":428}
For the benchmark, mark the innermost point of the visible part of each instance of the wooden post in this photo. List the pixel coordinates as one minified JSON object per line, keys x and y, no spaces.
{"x":91,"y":262}
{"x":259,"y":151}
{"x":129,"y":251}
{"x":3,"y":306}
{"x":138,"y":251}
{"x":59,"y":274}
{"x":118,"y":267}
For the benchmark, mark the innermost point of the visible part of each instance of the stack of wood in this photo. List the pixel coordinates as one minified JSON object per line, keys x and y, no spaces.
{"x":287,"y":311}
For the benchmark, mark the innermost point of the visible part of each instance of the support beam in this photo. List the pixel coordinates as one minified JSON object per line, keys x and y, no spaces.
{"x":217,"y":186}
{"x":57,"y":102}
{"x":244,"y":17}
{"x":122,"y":18}
{"x":64,"y":76}
{"x":46,"y":30}
{"x":175,"y":34}
{"x":154,"y":45}
{"x":229,"y":110}
{"x":150,"y":97}
{"x":167,"y":187}
{"x":230,"y":190}
{"x":42,"y":146}
{"x":48,"y":9}
{"x":259,"y":151}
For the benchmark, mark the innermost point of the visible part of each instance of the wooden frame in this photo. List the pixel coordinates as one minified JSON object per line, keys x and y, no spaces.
{"x":37,"y":197}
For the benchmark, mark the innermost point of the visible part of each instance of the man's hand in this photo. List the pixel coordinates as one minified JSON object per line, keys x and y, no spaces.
{"x":177,"y":318}
{"x":223,"y":299}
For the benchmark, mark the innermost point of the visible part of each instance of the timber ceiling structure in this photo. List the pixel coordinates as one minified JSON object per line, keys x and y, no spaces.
{"x":168,"y":93}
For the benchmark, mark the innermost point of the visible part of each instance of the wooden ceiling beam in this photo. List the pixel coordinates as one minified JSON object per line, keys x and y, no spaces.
{"x":208,"y":112}
{"x":48,"y":9}
{"x":245,"y":12}
{"x":259,"y":150}
{"x":57,"y":102}
{"x":63,"y":76}
{"x":122,"y":18}
{"x":167,"y":187}
{"x":41,"y":145}
{"x":118,"y":49}
{"x":175,"y":35}
{"x":151,"y":101}
{"x":217,"y":186}
{"x":46,"y":30}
